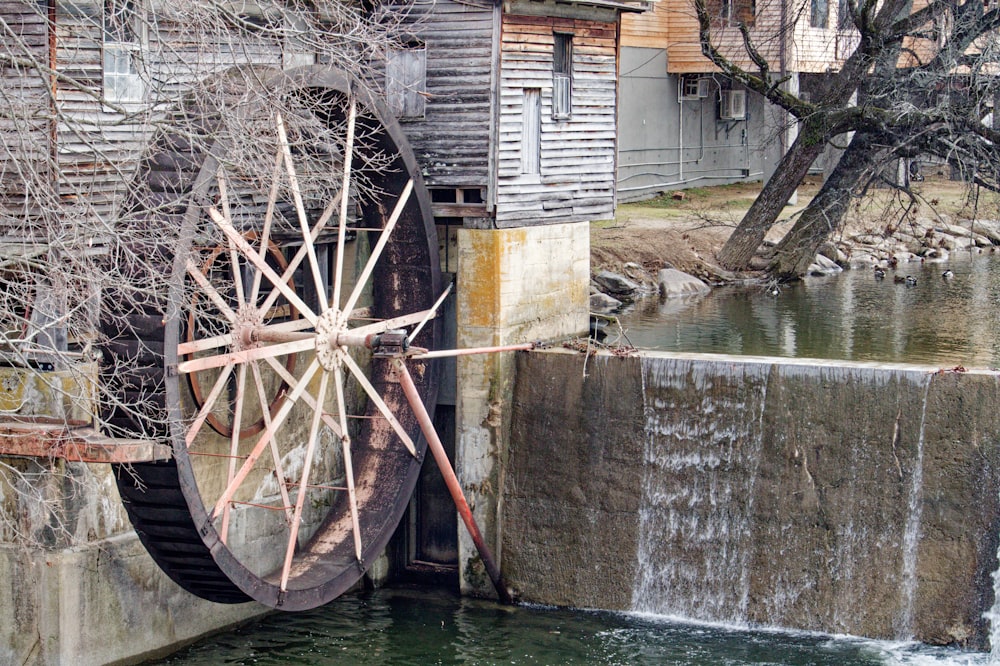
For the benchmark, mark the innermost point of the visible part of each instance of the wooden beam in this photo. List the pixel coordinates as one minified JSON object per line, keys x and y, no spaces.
{"x":45,"y":440}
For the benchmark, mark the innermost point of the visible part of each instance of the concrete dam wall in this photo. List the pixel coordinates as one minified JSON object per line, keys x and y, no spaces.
{"x":848,"y":498}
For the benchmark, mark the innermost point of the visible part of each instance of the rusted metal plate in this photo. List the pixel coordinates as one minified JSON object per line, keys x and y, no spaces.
{"x":46,"y":440}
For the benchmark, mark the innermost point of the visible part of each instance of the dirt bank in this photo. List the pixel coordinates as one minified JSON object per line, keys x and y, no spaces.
{"x":686,"y":229}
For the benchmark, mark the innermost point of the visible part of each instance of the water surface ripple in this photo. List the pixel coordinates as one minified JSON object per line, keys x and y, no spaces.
{"x":849,"y":316}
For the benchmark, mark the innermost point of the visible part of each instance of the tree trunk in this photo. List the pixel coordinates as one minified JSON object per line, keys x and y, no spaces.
{"x":825,"y":212}
{"x":793,"y":167}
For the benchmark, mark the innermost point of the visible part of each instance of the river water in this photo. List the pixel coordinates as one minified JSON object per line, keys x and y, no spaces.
{"x":418,"y":627}
{"x":849,"y":316}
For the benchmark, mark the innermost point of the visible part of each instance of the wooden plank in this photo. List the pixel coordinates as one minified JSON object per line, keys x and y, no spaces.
{"x":46,"y":440}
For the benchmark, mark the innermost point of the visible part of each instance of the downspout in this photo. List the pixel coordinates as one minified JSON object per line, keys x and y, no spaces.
{"x":680,"y":131}
{"x":491,"y":160}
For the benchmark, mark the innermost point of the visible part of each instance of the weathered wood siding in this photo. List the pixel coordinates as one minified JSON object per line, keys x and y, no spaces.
{"x":66,"y":156}
{"x":452,"y":141}
{"x":25,"y":115}
{"x":576,"y":180}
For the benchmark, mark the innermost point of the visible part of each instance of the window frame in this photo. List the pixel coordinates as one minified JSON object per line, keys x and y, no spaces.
{"x":819,"y":14}
{"x":123,"y":43}
{"x":562,"y":75}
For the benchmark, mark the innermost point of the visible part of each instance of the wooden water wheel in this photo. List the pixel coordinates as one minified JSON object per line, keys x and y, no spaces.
{"x":280,"y":244}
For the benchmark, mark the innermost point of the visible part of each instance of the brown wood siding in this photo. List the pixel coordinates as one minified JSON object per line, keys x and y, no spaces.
{"x":25,"y":119}
{"x":672,"y":24}
{"x":452,"y":141}
{"x":577,"y":155}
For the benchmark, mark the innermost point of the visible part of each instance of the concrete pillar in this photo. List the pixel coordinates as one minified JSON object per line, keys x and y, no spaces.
{"x":514,"y":285}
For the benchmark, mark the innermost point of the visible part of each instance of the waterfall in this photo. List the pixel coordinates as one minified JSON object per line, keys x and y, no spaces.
{"x":911,"y":533}
{"x":698,"y":488}
{"x":782,"y":494}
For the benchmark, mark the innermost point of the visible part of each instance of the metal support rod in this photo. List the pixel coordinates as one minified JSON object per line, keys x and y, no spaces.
{"x":444,"y":353}
{"x":437,"y":449}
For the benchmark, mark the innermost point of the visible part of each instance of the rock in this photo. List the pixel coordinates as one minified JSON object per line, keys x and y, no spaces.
{"x":616,"y":285}
{"x":603,"y":304}
{"x":640,"y":276}
{"x":935,"y":254}
{"x":988,"y":228}
{"x":833,"y":253}
{"x":823,"y":266}
{"x":674,"y":283}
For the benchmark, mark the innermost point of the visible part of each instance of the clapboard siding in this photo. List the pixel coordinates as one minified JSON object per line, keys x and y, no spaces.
{"x":673,"y":24}
{"x":25,"y":125}
{"x":452,"y":140}
{"x":576,"y":179}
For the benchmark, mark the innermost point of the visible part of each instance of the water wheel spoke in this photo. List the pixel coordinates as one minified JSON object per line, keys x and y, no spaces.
{"x":251,"y":254}
{"x":396,"y":322}
{"x":207,"y":406}
{"x":265,"y":233}
{"x":204,"y":344}
{"x":293,"y":531}
{"x":234,"y":445}
{"x":246,"y":355}
{"x":300,"y":210}
{"x":279,"y":470}
{"x":376,"y":399}
{"x":430,"y":314}
{"x":306,"y":397}
{"x":265,"y":439}
{"x":213,"y":295}
{"x":345,"y":189}
{"x":300,"y":254}
{"x":383,"y":240}
{"x":345,"y":442}
{"x":234,"y":259}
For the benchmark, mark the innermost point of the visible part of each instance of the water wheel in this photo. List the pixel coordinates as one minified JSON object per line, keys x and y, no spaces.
{"x":281,"y":233}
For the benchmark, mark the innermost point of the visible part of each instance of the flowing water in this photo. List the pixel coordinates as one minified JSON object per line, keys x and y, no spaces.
{"x":849,"y":316}
{"x":420,"y":627}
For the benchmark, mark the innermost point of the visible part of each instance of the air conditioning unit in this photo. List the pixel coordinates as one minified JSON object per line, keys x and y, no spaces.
{"x":733,"y":105}
{"x":693,"y":87}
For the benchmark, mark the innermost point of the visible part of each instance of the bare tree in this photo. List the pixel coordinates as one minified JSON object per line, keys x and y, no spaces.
{"x":101,"y":102}
{"x":923,"y":80}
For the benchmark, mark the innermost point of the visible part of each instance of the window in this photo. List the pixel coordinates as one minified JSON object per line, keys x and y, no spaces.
{"x":844,"y":19}
{"x":693,"y":87}
{"x":406,"y":80}
{"x":732,"y":12}
{"x":531,"y":132}
{"x":124,"y":32}
{"x":733,"y":105}
{"x":562,"y":76}
{"x":819,"y":13}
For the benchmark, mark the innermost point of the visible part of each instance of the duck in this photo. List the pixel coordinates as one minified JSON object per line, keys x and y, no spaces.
{"x":898,"y":279}
{"x":948,"y":274}
{"x":879,"y":273}
{"x":910,"y":280}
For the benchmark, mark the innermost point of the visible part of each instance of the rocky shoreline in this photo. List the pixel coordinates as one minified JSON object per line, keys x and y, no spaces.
{"x":918,"y":240}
